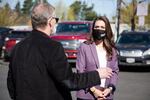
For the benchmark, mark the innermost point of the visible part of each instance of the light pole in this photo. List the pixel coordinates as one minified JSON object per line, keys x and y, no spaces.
{"x":133,"y":16}
{"x":118,"y":16}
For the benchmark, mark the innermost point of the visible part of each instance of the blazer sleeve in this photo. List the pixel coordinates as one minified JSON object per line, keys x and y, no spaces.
{"x":62,"y":72}
{"x":80,"y":62}
{"x":115,"y":69}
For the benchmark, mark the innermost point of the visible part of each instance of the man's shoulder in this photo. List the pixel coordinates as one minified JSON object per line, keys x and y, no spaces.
{"x":53,"y":42}
{"x":22,"y":42}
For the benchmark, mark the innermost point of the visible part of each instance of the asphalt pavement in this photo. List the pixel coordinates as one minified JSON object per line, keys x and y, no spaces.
{"x":132,"y":85}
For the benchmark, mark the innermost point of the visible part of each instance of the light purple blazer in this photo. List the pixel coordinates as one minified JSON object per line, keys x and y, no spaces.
{"x":87,"y":60}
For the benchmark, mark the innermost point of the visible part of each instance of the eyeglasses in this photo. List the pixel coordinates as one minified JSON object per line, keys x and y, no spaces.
{"x":56,"y":19}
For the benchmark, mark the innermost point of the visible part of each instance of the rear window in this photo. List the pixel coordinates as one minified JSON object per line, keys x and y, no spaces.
{"x":73,"y":28}
{"x":19,"y":34}
{"x":134,"y":39}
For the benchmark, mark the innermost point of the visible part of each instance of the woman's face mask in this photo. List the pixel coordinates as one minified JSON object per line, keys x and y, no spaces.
{"x":98,"y":34}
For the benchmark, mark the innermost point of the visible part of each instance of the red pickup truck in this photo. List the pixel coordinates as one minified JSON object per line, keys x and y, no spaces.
{"x":71,"y":34}
{"x":12,"y":39}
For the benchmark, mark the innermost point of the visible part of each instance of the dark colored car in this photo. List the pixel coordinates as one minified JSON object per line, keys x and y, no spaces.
{"x":12,"y":39}
{"x":134,"y":48}
{"x":71,"y":34}
{"x":4,"y":31}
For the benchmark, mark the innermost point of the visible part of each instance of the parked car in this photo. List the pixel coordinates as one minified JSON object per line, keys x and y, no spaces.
{"x":12,"y":39}
{"x":134,"y":48}
{"x":3,"y":33}
{"x":71,"y":34}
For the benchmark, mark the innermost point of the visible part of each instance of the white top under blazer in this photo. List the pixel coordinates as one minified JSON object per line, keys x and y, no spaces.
{"x":101,"y":52}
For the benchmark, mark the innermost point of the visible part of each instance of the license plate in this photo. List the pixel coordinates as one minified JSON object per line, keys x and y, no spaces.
{"x":130,"y":60}
{"x":148,"y":62}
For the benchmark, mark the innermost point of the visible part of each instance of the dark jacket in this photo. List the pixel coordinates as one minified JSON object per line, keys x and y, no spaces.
{"x":38,"y":70}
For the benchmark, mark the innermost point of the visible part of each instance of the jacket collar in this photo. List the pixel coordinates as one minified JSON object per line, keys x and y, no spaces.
{"x":94,"y":53}
{"x":39,"y":33}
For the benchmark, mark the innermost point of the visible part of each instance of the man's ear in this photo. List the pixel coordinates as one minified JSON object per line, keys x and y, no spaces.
{"x":50,"y":24}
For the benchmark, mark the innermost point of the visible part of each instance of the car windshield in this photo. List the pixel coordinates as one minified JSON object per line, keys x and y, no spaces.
{"x":18,"y":34}
{"x":134,"y":39}
{"x":73,"y":28}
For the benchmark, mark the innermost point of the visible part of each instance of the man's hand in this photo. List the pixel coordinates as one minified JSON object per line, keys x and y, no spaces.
{"x":105,"y":72}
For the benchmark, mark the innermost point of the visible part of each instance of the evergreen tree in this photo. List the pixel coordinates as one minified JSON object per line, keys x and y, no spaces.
{"x":7,"y":7}
{"x":17,"y":8}
{"x":27,"y":7}
{"x":76,"y":7}
{"x":81,"y":11}
{"x":88,"y":12}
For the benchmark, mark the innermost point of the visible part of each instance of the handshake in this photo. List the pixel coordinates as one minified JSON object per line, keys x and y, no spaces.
{"x":105,"y":72}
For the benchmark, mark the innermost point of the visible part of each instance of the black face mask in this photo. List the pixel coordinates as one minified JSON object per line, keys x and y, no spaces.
{"x":98,"y":34}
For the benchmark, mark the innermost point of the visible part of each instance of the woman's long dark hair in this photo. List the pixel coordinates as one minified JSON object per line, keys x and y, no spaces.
{"x":109,"y":39}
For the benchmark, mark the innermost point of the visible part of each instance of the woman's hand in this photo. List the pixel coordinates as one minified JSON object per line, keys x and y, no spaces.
{"x":106,"y":92}
{"x":98,"y":93}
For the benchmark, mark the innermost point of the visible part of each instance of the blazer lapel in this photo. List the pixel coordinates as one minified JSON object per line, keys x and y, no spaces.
{"x":94,"y":53}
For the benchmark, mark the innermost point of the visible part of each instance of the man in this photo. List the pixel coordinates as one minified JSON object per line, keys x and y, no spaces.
{"x":38,"y":68}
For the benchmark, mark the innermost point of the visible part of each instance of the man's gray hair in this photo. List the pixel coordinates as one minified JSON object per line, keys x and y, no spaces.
{"x":40,"y":14}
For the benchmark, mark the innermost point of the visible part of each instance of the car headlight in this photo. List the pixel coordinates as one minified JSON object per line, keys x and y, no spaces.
{"x":131,"y":53}
{"x":147,"y":52}
{"x":121,"y":53}
{"x":77,"y":43}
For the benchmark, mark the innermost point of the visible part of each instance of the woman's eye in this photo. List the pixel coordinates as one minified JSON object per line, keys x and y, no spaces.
{"x":102,"y":27}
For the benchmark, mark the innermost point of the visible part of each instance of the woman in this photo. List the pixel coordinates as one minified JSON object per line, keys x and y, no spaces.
{"x":100,"y":51}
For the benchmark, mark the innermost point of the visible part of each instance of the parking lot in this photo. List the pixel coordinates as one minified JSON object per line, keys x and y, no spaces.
{"x":133,"y":84}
